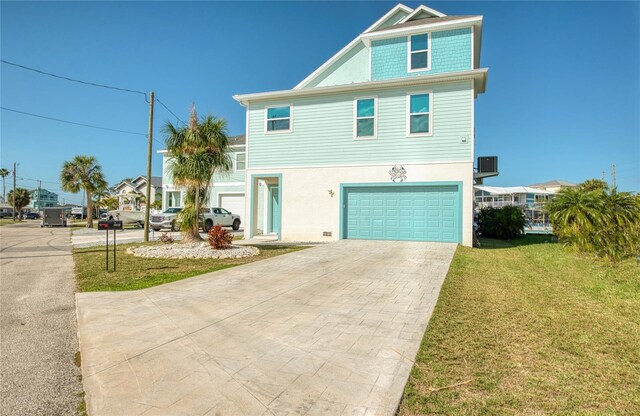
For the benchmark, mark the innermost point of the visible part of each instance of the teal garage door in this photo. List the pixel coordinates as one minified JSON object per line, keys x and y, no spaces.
{"x":413,"y":213}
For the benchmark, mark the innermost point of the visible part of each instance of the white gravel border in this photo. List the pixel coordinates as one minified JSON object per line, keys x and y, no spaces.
{"x":192,"y":251}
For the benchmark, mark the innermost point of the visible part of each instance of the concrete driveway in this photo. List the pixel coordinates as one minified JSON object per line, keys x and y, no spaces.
{"x":332,"y":329}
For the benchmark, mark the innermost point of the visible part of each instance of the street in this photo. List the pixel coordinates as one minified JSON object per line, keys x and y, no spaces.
{"x":38,"y":341}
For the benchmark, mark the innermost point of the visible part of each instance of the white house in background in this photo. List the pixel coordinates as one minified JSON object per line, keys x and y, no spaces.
{"x":228,"y":188}
{"x":131,"y":194}
{"x":553,"y":185}
{"x":531,"y":200}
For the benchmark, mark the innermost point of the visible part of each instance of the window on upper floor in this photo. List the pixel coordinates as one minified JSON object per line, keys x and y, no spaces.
{"x":241,"y":161}
{"x":419,"y":114}
{"x":366,"y":118}
{"x":278,"y":119}
{"x":419,"y":52}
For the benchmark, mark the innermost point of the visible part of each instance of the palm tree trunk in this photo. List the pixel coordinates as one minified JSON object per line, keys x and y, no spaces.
{"x":89,"y":210}
{"x":193,"y":235}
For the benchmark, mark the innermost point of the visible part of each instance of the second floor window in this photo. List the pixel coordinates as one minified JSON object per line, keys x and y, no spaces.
{"x":278,"y":119}
{"x":419,"y":114}
{"x":241,"y":161}
{"x":419,"y":52}
{"x":366,"y":118}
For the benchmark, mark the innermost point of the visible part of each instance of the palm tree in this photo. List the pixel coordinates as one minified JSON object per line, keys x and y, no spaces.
{"x":22,"y":199}
{"x":83,"y":172}
{"x":4,"y":173}
{"x":594,"y":185}
{"x":575,"y":215}
{"x":197,"y":151}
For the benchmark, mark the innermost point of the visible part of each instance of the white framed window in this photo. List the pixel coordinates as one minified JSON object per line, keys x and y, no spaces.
{"x":365,"y":118}
{"x":420,"y":113}
{"x":241,"y":161}
{"x":278,"y":119}
{"x":419,"y":58}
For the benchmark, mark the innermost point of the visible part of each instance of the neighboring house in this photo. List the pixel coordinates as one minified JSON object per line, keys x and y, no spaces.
{"x":553,"y":186}
{"x":228,"y":187}
{"x":377,"y":143}
{"x":531,"y":200}
{"x":131,"y":194}
{"x":41,"y":198}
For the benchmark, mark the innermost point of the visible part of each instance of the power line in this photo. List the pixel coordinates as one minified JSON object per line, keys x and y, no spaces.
{"x":172,"y":113}
{"x":72,"y":122}
{"x":74,"y":80}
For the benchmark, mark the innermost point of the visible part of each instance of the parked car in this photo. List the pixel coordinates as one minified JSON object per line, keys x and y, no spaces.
{"x":31,"y":216}
{"x":6,"y":214}
{"x":165,"y":220}
{"x":208,"y":218}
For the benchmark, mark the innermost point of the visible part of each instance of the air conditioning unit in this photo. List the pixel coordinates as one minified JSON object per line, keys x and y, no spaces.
{"x":487,"y":164}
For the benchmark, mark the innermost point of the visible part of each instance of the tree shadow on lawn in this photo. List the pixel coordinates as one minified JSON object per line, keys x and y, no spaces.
{"x":527,"y":240}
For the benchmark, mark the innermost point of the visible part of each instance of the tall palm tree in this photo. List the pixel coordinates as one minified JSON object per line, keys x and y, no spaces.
{"x":197,"y":152}
{"x":4,"y":173}
{"x":83,"y":172}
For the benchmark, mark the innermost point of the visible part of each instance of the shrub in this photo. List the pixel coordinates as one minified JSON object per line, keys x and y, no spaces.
{"x":166,"y":238}
{"x":220,"y":238}
{"x":599,"y":221}
{"x":504,"y":223}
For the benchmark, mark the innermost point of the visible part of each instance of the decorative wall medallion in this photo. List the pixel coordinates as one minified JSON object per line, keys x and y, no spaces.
{"x":398,"y":173}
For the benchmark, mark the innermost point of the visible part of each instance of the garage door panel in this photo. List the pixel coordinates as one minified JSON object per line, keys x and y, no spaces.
{"x":419,"y":213}
{"x":233,"y":203}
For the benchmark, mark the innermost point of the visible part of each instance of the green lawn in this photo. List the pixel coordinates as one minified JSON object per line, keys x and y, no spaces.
{"x":527,"y":328}
{"x":139,"y":272}
{"x":5,"y":221}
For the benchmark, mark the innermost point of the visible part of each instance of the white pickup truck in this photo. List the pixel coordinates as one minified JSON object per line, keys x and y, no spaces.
{"x":208,"y":218}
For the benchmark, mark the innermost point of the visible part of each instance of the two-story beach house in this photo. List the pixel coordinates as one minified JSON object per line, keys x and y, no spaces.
{"x":377,"y":143}
{"x":228,"y":187}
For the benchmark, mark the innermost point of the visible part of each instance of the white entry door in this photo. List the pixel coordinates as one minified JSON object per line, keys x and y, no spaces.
{"x":233,"y":203}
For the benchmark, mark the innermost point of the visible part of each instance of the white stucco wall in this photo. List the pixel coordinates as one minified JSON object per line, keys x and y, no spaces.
{"x":308,"y":209}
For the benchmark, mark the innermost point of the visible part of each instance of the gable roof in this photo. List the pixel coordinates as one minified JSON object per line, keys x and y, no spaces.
{"x":421,"y":16}
{"x":426,"y":21}
{"x":552,"y":183}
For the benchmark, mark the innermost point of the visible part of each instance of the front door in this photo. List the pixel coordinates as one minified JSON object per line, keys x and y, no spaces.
{"x":274,"y":207}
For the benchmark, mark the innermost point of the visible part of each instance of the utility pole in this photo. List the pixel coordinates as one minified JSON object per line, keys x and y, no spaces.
{"x":613,"y":175}
{"x":14,"y":192}
{"x":149,"y":150}
{"x":39,"y":195}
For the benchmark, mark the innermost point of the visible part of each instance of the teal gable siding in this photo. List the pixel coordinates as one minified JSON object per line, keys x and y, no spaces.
{"x":450,"y":52}
{"x":323,"y":130}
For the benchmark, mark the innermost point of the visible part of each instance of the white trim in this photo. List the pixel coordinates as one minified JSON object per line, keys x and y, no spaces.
{"x":430,"y":27}
{"x":370,"y":49}
{"x":268,"y":169}
{"x":410,"y":52}
{"x":383,"y":19}
{"x":290,"y":118}
{"x":350,"y":45}
{"x":375,"y":118}
{"x":422,"y":8}
{"x":478,"y":74}
{"x":430,"y":113}
{"x":473,"y":121}
{"x":235,"y":161}
{"x":473,"y":50}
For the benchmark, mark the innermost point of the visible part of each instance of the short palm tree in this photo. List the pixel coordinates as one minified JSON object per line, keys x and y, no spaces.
{"x":197,"y":152}
{"x":83,"y":172}
{"x":22,"y":198}
{"x":4,"y":173}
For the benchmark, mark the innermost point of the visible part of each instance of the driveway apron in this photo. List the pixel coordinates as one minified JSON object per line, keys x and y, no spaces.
{"x":332,"y":329}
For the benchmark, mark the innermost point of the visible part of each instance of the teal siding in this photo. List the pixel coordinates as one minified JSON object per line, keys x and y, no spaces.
{"x":231,"y":176}
{"x":450,"y":49}
{"x":352,"y":67}
{"x":412,"y":213}
{"x":323,"y":130}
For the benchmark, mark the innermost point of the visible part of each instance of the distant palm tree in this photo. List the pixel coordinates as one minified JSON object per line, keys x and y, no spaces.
{"x":4,"y":173}
{"x":197,"y":151}
{"x":83,"y":172}
{"x":22,"y":199}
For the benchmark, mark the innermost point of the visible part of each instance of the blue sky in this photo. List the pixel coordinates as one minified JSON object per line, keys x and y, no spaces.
{"x":562,"y":101}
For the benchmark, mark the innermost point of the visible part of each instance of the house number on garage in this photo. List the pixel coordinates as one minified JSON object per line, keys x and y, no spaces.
{"x":398,"y":173}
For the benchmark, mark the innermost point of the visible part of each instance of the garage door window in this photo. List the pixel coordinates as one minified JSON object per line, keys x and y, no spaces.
{"x":419,"y":114}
